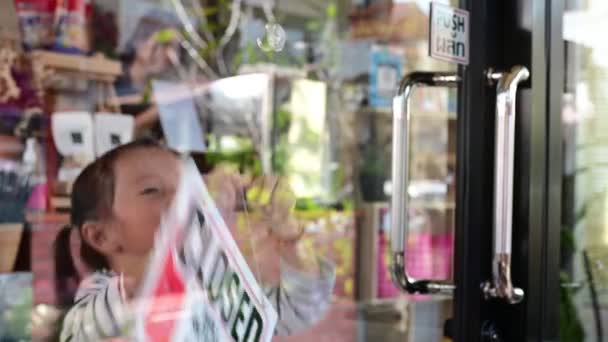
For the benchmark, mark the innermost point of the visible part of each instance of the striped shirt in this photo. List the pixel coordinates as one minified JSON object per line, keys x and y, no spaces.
{"x":99,"y":310}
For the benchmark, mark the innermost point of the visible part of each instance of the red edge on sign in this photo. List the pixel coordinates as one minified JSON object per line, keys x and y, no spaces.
{"x":167,"y":297}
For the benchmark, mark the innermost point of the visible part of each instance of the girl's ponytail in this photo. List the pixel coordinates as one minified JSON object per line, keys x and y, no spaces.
{"x":65,"y":271}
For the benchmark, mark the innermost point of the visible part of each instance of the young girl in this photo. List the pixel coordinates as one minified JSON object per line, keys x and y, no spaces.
{"x":117,"y":203}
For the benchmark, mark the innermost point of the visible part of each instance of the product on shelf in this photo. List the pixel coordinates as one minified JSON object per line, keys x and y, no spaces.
{"x":36,"y":21}
{"x":70,"y":29}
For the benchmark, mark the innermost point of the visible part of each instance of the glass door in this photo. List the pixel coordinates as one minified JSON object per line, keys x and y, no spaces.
{"x":383,"y":195}
{"x":497,"y":177}
{"x":584,"y":174}
{"x":505,"y":247}
{"x":501,"y":285}
{"x":560,"y":190}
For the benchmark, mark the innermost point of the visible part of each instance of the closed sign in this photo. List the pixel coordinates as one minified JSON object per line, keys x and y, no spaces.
{"x":198,"y":286}
{"x":449,"y":34}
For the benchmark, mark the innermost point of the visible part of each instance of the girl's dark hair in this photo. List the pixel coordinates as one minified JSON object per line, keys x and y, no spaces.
{"x":91,"y":199}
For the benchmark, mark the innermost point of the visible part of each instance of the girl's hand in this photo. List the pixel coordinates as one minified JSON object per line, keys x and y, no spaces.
{"x":226,"y":186}
{"x":266,"y":229}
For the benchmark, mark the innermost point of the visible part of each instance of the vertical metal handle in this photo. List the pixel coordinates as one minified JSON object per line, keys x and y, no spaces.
{"x":501,"y":285}
{"x":400,"y":180}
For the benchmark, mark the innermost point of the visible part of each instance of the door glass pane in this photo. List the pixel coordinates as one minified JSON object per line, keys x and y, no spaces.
{"x":584,"y":299}
{"x":285,"y":108}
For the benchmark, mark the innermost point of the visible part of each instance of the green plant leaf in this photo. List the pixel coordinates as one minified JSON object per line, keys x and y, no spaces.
{"x":313,"y":25}
{"x":332,"y":10}
{"x":165,"y":36}
{"x":306,"y":204}
{"x":567,"y":240}
{"x":570,"y":327}
{"x":210,"y":10}
{"x":237,"y":60}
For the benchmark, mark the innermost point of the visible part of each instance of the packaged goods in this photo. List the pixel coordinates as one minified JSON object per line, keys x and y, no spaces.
{"x":36,"y":22}
{"x":70,"y":26}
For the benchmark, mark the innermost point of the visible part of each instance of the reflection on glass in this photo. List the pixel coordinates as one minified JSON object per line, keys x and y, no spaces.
{"x":139,"y":274}
{"x":585,"y":175}
{"x":293,"y":138}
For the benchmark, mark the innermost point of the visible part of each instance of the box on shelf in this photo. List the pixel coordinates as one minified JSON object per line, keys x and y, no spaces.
{"x":10,"y":238}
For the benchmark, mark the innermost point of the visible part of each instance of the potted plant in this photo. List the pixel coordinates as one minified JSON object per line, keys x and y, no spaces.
{"x":373,"y":173}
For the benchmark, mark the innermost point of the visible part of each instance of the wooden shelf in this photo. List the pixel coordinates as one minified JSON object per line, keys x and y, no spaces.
{"x":430,"y":204}
{"x":97,"y":67}
{"x":60,"y":203}
{"x":424,"y":115}
{"x":374,"y":110}
{"x":52,"y":217}
{"x":67,"y":77}
{"x":418,"y":115}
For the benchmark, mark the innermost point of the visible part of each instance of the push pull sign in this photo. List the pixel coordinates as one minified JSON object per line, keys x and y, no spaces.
{"x":449,"y":34}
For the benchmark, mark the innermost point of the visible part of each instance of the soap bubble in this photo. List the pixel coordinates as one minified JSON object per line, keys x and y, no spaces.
{"x":275,"y":38}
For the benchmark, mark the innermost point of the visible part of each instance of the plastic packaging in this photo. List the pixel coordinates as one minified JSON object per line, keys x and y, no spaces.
{"x":36,"y":22}
{"x":70,"y":26}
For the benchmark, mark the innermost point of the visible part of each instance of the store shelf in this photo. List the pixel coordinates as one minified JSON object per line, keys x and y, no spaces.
{"x":372,"y":110}
{"x":424,"y":115}
{"x":432,"y":204}
{"x":96,"y":67}
{"x":48,"y":218}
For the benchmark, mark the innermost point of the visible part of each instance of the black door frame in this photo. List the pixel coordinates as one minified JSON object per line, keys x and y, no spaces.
{"x":502,"y":34}
{"x":473,"y":177}
{"x":546,"y":154}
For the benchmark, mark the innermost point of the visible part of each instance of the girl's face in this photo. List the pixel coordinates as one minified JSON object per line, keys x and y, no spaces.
{"x":144,"y":186}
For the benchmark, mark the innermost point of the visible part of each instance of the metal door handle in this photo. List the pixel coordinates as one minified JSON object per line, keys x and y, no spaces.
{"x":400,"y":180}
{"x":501,"y":285}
